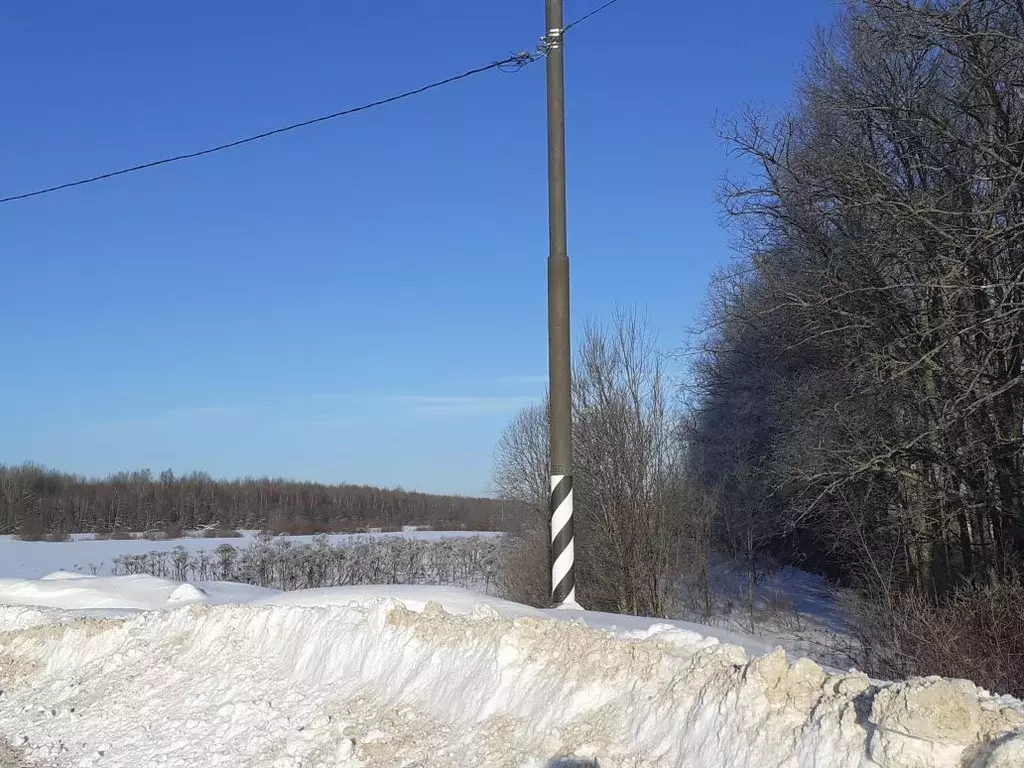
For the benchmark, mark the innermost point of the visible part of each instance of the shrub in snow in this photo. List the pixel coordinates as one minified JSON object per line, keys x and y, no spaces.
{"x":283,"y":564}
{"x":977,"y":633}
{"x":40,"y":536}
{"x":118,"y":535}
{"x":221,"y":533}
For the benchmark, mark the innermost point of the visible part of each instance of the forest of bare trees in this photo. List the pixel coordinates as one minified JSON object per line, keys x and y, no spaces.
{"x":856,"y":404}
{"x":37,"y":501}
{"x":859,"y":399}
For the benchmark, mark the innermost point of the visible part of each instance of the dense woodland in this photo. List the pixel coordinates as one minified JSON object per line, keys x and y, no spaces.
{"x":35,"y":500}
{"x":862,"y":383}
{"x":856,"y":404}
{"x":860,"y":398}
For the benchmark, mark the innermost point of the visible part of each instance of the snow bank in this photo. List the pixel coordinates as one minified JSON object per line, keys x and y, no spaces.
{"x":414,"y":597}
{"x":352,"y":677}
{"x":64,"y":575}
{"x":62,"y":597}
{"x":682,"y":632}
{"x":114,"y":596}
{"x":54,"y":591}
{"x":74,"y":592}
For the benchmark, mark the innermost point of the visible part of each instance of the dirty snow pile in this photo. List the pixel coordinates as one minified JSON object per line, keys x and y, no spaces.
{"x":137,"y":671}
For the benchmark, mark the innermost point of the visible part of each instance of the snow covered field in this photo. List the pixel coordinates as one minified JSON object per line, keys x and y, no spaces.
{"x":792,"y":608}
{"x":32,"y":559}
{"x":138,"y":671}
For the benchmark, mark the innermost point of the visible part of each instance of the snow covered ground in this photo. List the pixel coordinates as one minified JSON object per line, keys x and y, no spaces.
{"x":138,"y":671}
{"x":792,"y":608}
{"x":32,"y":559}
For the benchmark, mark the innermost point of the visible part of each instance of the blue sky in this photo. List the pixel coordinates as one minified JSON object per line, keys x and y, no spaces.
{"x":360,"y":301}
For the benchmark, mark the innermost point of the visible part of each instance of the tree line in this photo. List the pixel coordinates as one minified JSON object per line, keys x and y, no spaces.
{"x":855,"y":403}
{"x":35,"y":501}
{"x":860,"y":401}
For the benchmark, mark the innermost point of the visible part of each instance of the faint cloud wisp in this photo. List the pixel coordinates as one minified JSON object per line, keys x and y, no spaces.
{"x":452,"y":406}
{"x":329,"y":411}
{"x":177,"y":417}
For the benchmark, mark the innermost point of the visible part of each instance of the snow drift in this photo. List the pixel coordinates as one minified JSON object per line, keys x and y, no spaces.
{"x":353,"y":678}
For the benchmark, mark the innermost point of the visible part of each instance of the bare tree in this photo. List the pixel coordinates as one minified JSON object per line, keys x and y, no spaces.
{"x":626,"y":494}
{"x":627,"y":467}
{"x":521,"y":466}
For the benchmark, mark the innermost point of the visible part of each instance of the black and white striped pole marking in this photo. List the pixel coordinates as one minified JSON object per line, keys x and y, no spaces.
{"x":563,"y":580}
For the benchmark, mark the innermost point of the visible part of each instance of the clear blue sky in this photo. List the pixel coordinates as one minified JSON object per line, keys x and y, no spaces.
{"x":364,"y":300}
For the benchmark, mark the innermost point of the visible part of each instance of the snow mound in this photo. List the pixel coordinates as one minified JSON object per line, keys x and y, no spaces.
{"x":465,"y":602}
{"x":414,"y":597}
{"x":16,"y":617}
{"x":64,"y":575}
{"x":123,"y":592}
{"x":187,"y":593}
{"x":220,"y":592}
{"x":678,"y":632}
{"x":124,"y":595}
{"x":343,"y":679}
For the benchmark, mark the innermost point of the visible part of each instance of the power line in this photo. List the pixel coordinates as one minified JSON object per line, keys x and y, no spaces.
{"x":513,"y":63}
{"x":586,"y":16}
{"x":518,"y":62}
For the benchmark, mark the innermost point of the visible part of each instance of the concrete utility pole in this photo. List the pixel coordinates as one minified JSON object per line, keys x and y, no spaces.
{"x":563,"y":584}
